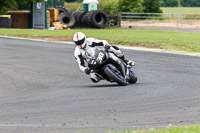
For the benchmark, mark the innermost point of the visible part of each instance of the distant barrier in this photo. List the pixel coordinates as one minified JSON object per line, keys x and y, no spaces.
{"x":5,"y":21}
{"x":169,"y":20}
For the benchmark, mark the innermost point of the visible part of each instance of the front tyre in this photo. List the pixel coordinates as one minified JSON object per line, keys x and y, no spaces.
{"x":115,"y":76}
{"x":133,"y":77}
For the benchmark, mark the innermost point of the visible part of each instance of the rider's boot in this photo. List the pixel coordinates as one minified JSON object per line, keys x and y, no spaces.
{"x":118,"y":53}
{"x":129,"y":63}
{"x":94,"y":77}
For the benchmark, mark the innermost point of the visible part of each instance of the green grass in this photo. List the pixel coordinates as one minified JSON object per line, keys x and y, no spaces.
{"x":74,"y":6}
{"x":180,"y":41}
{"x":181,"y":9}
{"x":186,"y":129}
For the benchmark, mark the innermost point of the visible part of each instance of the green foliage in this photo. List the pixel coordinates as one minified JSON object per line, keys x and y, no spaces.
{"x":6,"y":5}
{"x":131,"y":6}
{"x":152,"y":6}
{"x":113,"y":7}
{"x":184,"y":3}
{"x":110,"y":7}
{"x":191,"y":3}
{"x":169,"y":3}
{"x":148,"y":6}
{"x":74,"y":6}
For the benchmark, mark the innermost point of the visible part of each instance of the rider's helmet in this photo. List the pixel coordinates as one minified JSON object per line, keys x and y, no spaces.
{"x":80,"y":39}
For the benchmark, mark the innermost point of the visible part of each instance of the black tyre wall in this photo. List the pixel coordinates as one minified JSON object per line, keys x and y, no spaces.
{"x":79,"y":18}
{"x":61,"y":9}
{"x":96,"y":19}
{"x":67,"y":19}
{"x":75,"y":15}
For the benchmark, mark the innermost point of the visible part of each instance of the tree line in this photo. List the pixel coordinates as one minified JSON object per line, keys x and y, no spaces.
{"x":112,"y":6}
{"x":6,"y":5}
{"x":177,"y":3}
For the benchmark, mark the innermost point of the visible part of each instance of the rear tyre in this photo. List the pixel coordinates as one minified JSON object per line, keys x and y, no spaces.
{"x":112,"y":74}
{"x":133,"y":78}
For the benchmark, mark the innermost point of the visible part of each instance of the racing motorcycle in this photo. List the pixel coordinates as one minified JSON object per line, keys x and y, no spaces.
{"x":110,"y":70}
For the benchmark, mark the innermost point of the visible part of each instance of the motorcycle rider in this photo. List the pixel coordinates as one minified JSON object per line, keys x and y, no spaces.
{"x":85,"y":45}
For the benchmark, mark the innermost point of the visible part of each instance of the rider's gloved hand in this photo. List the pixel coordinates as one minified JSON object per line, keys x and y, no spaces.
{"x":87,"y":71}
{"x":107,"y":47}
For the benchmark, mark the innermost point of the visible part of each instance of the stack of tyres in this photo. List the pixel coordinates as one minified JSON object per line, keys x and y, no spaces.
{"x":80,"y":18}
{"x":96,"y":19}
{"x":67,"y":18}
{"x":75,"y":15}
{"x":92,"y":19}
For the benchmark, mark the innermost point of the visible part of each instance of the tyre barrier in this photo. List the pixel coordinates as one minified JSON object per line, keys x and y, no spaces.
{"x":61,"y":9}
{"x":75,"y":15}
{"x":67,"y":19}
{"x":80,"y":17}
{"x":96,"y":19}
{"x":114,"y":20}
{"x":92,"y":19}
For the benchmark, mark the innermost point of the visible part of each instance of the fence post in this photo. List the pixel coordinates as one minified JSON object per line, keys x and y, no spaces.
{"x":119,"y":19}
{"x":177,"y":21}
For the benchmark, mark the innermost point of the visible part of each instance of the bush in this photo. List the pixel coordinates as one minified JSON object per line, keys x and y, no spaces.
{"x":74,"y":6}
{"x":151,"y":6}
{"x":130,"y":6}
{"x":113,"y":7}
{"x":110,"y":7}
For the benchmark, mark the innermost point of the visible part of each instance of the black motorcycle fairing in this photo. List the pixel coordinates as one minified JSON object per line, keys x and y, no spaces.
{"x":98,"y":59}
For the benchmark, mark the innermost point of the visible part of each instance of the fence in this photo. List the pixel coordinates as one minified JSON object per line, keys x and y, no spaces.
{"x":161,"y":20}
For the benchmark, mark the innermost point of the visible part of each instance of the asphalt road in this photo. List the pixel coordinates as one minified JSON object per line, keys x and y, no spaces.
{"x":42,"y":90}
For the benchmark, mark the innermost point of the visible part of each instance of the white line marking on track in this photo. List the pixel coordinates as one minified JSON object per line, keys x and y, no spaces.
{"x":20,"y":125}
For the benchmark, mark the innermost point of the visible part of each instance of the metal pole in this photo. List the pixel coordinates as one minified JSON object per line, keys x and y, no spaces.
{"x":177,"y":21}
{"x":119,"y":19}
{"x":179,"y":3}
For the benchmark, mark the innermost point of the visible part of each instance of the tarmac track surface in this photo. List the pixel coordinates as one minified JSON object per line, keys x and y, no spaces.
{"x":42,"y":90}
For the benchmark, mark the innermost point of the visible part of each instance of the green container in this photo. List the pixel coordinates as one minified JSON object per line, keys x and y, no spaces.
{"x":89,"y":5}
{"x":55,"y":3}
{"x":85,"y":7}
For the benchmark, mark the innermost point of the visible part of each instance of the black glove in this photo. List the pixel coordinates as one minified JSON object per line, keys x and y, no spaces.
{"x":87,"y":71}
{"x":107,"y":47}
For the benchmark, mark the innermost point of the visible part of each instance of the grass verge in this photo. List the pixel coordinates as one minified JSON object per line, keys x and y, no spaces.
{"x":179,"y":41}
{"x":186,"y":129}
{"x":180,"y":9}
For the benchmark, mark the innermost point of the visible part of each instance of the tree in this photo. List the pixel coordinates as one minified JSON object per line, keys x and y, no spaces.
{"x":191,"y":3}
{"x":6,"y":5}
{"x":130,"y":6}
{"x":151,"y":6}
{"x":148,"y":6}
{"x":169,"y":3}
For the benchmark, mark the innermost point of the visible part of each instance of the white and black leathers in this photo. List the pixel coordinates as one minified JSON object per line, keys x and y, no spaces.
{"x":82,"y":55}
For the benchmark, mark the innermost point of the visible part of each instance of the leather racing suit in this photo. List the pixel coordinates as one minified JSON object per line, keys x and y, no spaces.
{"x":82,"y":55}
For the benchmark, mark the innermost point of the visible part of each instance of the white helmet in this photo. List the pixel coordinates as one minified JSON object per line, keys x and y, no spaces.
{"x":80,"y":39}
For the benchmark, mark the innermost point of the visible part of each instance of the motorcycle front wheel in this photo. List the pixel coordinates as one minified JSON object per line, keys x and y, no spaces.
{"x":133,"y":77}
{"x":115,"y":76}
